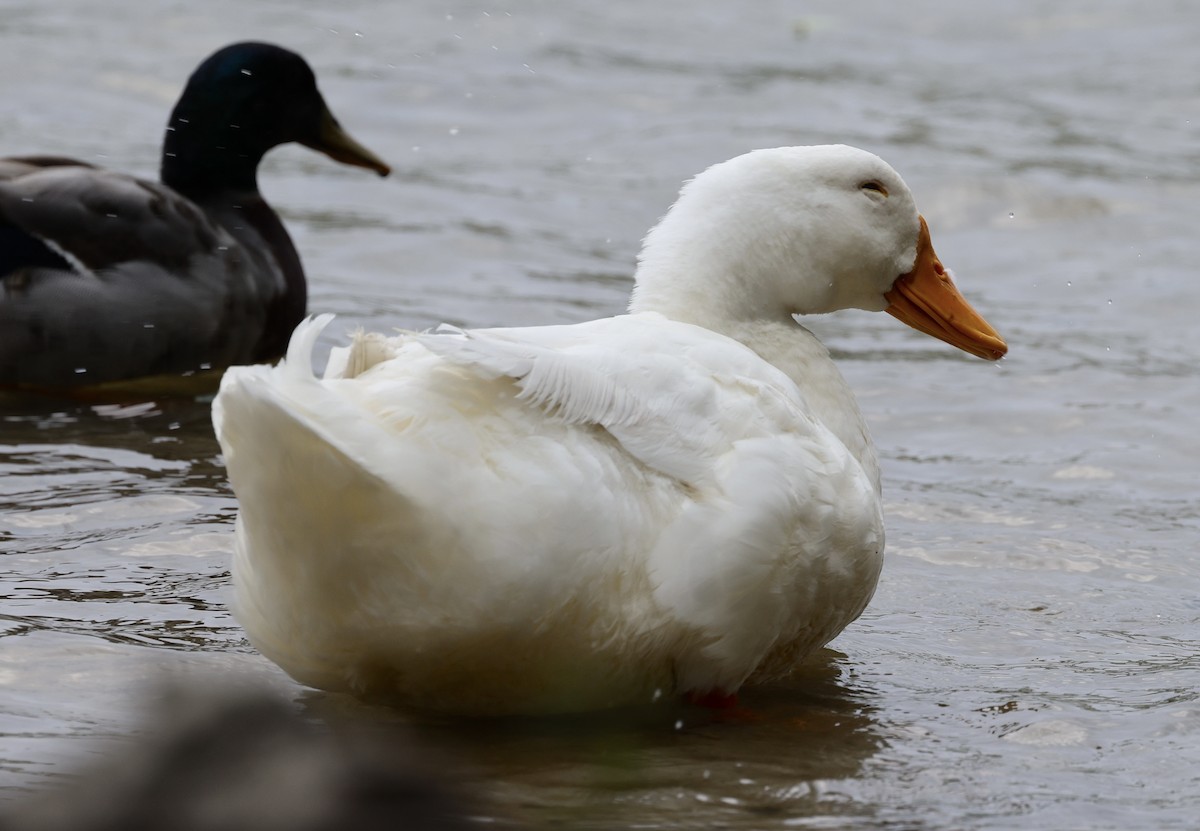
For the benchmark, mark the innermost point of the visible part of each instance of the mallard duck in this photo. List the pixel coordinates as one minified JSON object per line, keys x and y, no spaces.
{"x":104,"y":276}
{"x":674,"y":501}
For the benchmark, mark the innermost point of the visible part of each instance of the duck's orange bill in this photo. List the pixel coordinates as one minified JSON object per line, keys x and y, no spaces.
{"x":927,"y":300}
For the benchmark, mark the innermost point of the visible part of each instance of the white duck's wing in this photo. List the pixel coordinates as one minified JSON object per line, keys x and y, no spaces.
{"x":773,"y":499}
{"x":674,"y":395}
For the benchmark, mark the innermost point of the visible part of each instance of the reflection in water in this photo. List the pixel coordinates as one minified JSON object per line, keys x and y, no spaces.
{"x":780,"y":754}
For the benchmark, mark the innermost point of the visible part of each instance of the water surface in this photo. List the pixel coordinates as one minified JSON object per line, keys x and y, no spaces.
{"x":1030,"y":658}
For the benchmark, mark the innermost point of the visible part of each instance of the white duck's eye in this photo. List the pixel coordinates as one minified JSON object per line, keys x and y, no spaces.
{"x":875,"y":186}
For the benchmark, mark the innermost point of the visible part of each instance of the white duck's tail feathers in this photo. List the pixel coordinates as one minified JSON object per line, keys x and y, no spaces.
{"x":366,"y":349}
{"x":296,"y":366}
{"x":298,"y":362}
{"x":262,"y":423}
{"x":267,"y":412}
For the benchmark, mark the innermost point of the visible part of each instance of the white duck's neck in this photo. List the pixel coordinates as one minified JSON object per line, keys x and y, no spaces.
{"x":680,"y":292}
{"x":709,"y":264}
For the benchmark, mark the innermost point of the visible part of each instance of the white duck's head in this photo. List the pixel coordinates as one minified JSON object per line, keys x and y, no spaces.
{"x":802,"y":230}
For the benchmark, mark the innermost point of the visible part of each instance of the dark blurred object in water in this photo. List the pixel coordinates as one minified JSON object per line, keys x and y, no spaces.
{"x":250,"y":763}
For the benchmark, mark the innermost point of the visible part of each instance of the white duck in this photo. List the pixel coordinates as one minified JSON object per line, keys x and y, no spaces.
{"x":672,"y":501}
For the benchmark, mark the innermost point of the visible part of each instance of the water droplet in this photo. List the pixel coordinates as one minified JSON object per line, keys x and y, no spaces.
{"x":454,"y":131}
{"x":247,"y":72}
{"x":1068,"y":284}
{"x":147,"y":325}
{"x":174,"y":425}
{"x":1110,"y":302}
{"x":79,"y":370}
{"x":530,"y":68}
{"x":1010,"y":214}
{"x":416,"y":148}
{"x":206,"y":366}
{"x":449,"y":17}
{"x":358,"y":34}
{"x":657,"y":695}
{"x":679,"y":724}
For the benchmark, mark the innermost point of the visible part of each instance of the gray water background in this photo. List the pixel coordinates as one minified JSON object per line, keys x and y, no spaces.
{"x":1031,"y":657}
